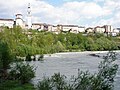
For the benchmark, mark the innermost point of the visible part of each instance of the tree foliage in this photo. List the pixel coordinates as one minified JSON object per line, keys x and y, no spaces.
{"x":22,"y":72}
{"x":23,"y":42}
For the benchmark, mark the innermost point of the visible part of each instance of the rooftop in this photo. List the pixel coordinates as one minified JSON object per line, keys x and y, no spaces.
{"x":6,"y":19}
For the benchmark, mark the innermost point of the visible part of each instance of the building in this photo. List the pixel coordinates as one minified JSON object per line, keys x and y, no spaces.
{"x":7,"y":22}
{"x":19,"y":20}
{"x":81,"y":29}
{"x":108,"y":29}
{"x":40,"y":26}
{"x":71,"y":28}
{"x":116,"y":32}
{"x":99,"y":29}
{"x":29,"y":17}
{"x":89,"y":30}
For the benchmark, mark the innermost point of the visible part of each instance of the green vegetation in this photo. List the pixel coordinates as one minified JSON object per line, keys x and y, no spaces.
{"x":14,"y":85}
{"x":103,"y":80}
{"x":22,"y":72}
{"x":24,"y":43}
{"x":5,"y":59}
{"x":16,"y":75}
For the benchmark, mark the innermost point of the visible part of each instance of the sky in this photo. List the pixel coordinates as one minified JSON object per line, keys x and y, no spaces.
{"x":88,"y":13}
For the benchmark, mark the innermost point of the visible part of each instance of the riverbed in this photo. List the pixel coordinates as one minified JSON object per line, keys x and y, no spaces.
{"x":69,"y":63}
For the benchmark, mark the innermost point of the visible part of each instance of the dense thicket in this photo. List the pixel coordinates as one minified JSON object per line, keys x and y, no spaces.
{"x":22,"y":42}
{"x":13,"y":75}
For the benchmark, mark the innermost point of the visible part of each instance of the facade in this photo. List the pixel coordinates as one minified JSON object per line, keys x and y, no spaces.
{"x":99,"y":29}
{"x":81,"y":29}
{"x":116,"y":32}
{"x":55,"y":29}
{"x":7,"y":22}
{"x":89,"y":30}
{"x":19,"y":21}
{"x":39,"y":26}
{"x":108,"y":29}
{"x":71,"y":28}
{"x":50,"y":28}
{"x":29,"y":17}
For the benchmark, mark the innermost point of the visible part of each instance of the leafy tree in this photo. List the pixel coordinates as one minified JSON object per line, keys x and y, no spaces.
{"x":22,"y":72}
{"x":6,"y":57}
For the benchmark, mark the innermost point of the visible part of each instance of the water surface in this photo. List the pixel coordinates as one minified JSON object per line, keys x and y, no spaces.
{"x":69,"y":63}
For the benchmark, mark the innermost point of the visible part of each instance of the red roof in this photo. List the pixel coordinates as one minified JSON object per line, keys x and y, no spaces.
{"x":7,"y":19}
{"x":39,"y":24}
{"x":69,"y":25}
{"x":18,"y":14}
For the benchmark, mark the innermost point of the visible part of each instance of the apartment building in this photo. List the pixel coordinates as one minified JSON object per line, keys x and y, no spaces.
{"x":7,"y":22}
{"x":99,"y":29}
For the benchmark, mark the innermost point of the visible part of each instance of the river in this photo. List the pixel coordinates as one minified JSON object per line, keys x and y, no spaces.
{"x":69,"y":63}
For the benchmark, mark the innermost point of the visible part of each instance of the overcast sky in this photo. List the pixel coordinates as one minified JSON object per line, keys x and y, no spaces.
{"x":78,"y":12}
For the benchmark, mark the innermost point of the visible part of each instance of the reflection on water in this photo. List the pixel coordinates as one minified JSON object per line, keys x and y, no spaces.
{"x":69,"y":63}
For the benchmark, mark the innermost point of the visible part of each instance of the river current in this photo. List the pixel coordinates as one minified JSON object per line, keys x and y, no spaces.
{"x":69,"y":63}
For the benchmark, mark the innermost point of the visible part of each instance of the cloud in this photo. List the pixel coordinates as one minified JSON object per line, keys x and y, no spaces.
{"x":70,"y":12}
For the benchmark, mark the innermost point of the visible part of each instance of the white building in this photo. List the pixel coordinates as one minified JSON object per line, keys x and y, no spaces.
{"x":19,"y":21}
{"x":89,"y":30}
{"x":81,"y":29}
{"x":50,"y":28}
{"x":7,"y":22}
{"x":40,"y":26}
{"x":29,"y":17}
{"x":108,"y":29}
{"x":71,"y":28}
{"x":116,"y":32}
{"x":99,"y":29}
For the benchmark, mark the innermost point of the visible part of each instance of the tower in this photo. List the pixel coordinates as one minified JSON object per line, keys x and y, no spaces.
{"x":29,"y":18}
{"x":19,"y":20}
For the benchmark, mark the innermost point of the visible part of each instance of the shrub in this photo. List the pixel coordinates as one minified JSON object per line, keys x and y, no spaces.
{"x":45,"y":84}
{"x":56,"y":82}
{"x":22,"y":72}
{"x":28,"y":58}
{"x":6,"y":57}
{"x":14,"y":85}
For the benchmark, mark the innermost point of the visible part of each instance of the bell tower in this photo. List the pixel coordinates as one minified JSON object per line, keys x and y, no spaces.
{"x":29,"y":17}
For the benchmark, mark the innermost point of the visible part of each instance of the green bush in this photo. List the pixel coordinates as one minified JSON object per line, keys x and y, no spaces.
{"x":28,"y":58}
{"x":22,"y":72}
{"x":15,"y":85}
{"x":6,"y":57}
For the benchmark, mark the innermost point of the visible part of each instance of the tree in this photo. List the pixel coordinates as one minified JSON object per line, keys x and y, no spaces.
{"x":22,"y":72}
{"x":6,"y":58}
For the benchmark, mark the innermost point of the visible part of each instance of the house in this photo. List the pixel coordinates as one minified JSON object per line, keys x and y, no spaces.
{"x":40,"y":26}
{"x":99,"y":29}
{"x":19,"y":21}
{"x":81,"y":29}
{"x":70,"y":28}
{"x":7,"y":22}
{"x":89,"y":30}
{"x":108,"y":29}
{"x":55,"y":29}
{"x":116,"y":32}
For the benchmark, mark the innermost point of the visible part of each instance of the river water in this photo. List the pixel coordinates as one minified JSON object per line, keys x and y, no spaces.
{"x":69,"y":63}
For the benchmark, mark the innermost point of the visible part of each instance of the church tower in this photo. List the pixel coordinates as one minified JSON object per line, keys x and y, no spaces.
{"x":29,"y":17}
